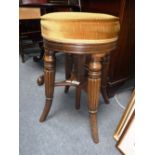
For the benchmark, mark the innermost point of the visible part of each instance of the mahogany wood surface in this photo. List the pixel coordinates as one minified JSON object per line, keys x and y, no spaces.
{"x":81,"y":49}
{"x":49,"y":78}
{"x":94,"y":84}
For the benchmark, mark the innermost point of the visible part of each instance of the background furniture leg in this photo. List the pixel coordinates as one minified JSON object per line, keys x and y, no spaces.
{"x":21,"y":51}
{"x":105,"y":70}
{"x":40,"y":57}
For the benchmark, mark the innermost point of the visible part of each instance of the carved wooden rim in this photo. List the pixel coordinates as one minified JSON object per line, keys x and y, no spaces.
{"x":79,"y":48}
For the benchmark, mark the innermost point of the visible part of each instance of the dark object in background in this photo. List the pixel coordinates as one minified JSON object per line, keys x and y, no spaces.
{"x":122,"y":61}
{"x":29,"y":29}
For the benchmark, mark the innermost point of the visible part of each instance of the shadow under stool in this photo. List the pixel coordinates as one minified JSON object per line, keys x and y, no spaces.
{"x":81,"y":34}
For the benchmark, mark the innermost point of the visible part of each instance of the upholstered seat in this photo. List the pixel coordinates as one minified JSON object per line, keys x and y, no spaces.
{"x":75,"y":27}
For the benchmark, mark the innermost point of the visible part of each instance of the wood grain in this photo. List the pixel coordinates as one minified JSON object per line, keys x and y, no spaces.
{"x":49,"y":78}
{"x":94,"y":83}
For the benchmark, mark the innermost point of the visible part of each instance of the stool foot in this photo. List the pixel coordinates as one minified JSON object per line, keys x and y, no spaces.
{"x":45,"y":111}
{"x":94,"y":129}
{"x":40,"y":80}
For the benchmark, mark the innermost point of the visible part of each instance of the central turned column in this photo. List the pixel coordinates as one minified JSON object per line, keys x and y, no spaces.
{"x":94,"y":83}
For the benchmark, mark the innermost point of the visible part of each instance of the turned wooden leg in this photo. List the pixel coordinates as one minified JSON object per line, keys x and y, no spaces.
{"x":68,"y":68}
{"x":94,"y":83}
{"x":105,"y":69}
{"x":49,"y":77}
{"x":40,"y":80}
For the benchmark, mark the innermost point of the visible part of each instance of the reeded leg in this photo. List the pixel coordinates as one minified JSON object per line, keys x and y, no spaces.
{"x":40,"y":80}
{"x":68,"y":68}
{"x":105,"y":69}
{"x":94,"y":83}
{"x":49,"y":77}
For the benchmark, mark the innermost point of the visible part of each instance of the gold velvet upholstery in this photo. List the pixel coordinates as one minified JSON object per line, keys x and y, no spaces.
{"x":78,"y":27}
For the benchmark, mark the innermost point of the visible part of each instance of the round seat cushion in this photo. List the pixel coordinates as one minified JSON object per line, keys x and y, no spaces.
{"x":78,"y":27}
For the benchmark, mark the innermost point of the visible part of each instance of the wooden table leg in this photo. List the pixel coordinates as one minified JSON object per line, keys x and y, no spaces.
{"x":40,"y":57}
{"x":105,"y":70}
{"x":94,"y":83}
{"x":21,"y":50}
{"x":49,"y":77}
